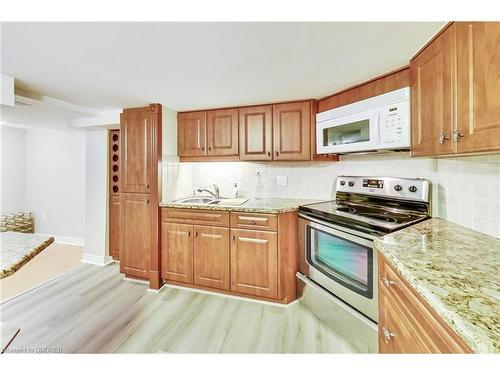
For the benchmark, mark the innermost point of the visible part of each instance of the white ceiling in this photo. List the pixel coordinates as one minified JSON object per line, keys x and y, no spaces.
{"x":202,"y":65}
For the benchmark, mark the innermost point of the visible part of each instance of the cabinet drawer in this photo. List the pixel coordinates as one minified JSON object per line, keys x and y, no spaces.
{"x":200,"y":217}
{"x":248,"y":220}
{"x":417,"y":328}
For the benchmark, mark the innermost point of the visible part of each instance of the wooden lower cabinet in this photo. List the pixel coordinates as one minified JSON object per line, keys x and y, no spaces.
{"x":211,"y":257}
{"x":407,"y":324}
{"x":254,"y":262}
{"x":136,"y":235}
{"x":177,"y":252}
{"x":238,"y":253}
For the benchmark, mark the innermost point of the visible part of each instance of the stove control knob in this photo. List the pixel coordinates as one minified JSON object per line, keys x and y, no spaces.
{"x":351,"y":183}
{"x":413,"y":188}
{"x":398,"y":187}
{"x":342,"y":183}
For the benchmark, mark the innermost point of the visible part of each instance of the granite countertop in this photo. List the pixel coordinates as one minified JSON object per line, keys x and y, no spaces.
{"x":264,"y":205}
{"x":457,"y":271}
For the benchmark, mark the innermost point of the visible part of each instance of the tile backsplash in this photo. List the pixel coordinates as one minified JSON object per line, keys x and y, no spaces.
{"x":466,"y":190}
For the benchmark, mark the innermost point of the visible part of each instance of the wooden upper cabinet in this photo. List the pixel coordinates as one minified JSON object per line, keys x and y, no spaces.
{"x":256,"y":133}
{"x":254,"y":262}
{"x":211,"y":257}
{"x":192,"y":131}
{"x":136,"y":237}
{"x":432,"y":99}
{"x":177,"y":252}
{"x":222,"y":132}
{"x":136,"y":130}
{"x":292,"y":131}
{"x":478,"y":86}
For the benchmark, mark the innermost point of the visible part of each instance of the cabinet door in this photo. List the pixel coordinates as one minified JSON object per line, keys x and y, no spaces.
{"x":177,"y":252}
{"x":114,"y":227}
{"x":292,"y":131}
{"x":222,"y":132}
{"x":192,"y":133}
{"x":432,"y":86}
{"x":135,"y":234}
{"x":478,"y":86}
{"x":211,"y":257}
{"x":254,"y":263}
{"x":256,"y":135}
{"x":136,"y":132}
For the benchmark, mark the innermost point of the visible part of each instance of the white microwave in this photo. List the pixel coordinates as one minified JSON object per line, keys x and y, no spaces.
{"x":378,"y":123}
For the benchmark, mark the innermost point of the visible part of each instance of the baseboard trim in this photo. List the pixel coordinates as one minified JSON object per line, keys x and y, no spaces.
{"x":97,"y":260}
{"x":75,"y":241}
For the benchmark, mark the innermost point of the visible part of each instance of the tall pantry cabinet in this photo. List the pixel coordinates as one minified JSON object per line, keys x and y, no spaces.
{"x":140,"y":192}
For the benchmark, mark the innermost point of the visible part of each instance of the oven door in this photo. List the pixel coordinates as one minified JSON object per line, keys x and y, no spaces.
{"x":352,"y":133}
{"x":343,"y":263}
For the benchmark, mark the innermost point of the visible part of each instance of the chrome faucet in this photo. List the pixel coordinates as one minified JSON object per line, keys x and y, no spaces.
{"x":216,"y":195}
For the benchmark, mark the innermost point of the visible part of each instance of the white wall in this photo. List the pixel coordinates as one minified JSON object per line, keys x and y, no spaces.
{"x":466,"y":190}
{"x":55,"y":182}
{"x":169,"y":132}
{"x":12,"y":165}
{"x":96,"y":198}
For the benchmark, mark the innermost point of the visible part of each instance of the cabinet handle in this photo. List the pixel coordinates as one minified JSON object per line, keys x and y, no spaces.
{"x":234,"y":237}
{"x":388,"y":335}
{"x":387,"y":282}
{"x":269,"y":153}
{"x":209,"y":148}
{"x":147,"y":186}
{"x":203,"y":148}
{"x":457,"y":135}
{"x":277,"y":153}
{"x":196,"y":234}
{"x":189,"y":234}
{"x":147,"y":201}
{"x":443,"y":138}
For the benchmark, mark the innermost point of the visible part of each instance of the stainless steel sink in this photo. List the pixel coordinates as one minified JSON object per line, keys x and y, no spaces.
{"x":196,"y":200}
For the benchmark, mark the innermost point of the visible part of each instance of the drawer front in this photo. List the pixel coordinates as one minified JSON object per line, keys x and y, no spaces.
{"x":246,"y":220}
{"x":417,"y":328}
{"x":200,"y":217}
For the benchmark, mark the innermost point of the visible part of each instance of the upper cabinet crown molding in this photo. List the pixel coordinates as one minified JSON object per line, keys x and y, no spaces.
{"x":455,"y":82}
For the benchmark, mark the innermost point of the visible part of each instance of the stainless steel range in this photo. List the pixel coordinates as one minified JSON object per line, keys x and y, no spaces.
{"x":336,"y":237}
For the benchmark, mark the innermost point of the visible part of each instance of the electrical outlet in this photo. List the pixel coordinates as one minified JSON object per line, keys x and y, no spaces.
{"x":281,"y":180}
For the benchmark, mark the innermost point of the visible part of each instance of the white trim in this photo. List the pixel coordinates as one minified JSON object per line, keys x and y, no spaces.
{"x":97,"y":260}
{"x":240,"y":298}
{"x":76,"y":241}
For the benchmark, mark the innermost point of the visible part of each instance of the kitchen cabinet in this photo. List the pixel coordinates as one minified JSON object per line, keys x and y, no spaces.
{"x":192,"y":131}
{"x":241,"y":253}
{"x":222,"y":132}
{"x":114,"y":227}
{"x":136,"y":141}
{"x":254,"y":262}
{"x":432,"y":86}
{"x":177,"y":252}
{"x":135,"y":234}
{"x":478,"y":86}
{"x":211,"y":257}
{"x":256,"y":132}
{"x":140,"y":192}
{"x":407,"y":324}
{"x":455,"y":91}
{"x":292,"y":131}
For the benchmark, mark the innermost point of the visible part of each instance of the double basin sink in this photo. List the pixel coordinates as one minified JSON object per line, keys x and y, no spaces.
{"x":199,"y":200}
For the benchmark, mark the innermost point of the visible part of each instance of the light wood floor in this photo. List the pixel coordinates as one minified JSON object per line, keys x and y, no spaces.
{"x":53,"y":261}
{"x":93,"y":309}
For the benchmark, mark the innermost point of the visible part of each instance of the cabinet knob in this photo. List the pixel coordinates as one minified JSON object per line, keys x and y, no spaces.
{"x":269,"y":153}
{"x":388,"y":335}
{"x":147,"y":186}
{"x":443,"y":138}
{"x":202,"y":148}
{"x":387,"y":282}
{"x":147,"y":201}
{"x":196,"y":234}
{"x":189,"y":234}
{"x":234,"y":237}
{"x":277,"y":153}
{"x":457,"y":134}
{"x":209,"y":148}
